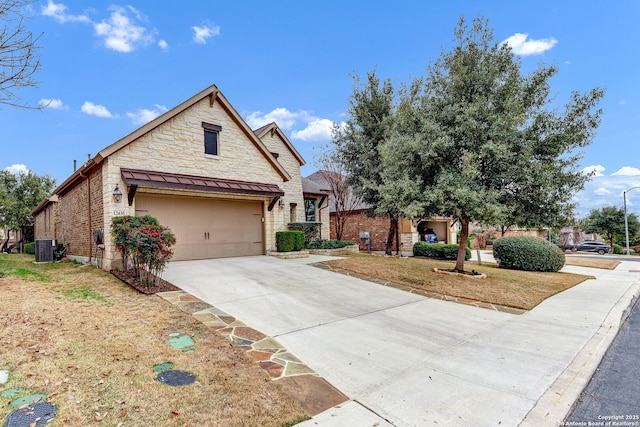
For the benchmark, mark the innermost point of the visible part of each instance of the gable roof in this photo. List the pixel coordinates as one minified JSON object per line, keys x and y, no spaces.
{"x":214,"y":94}
{"x":354,"y":202}
{"x":311,"y":187}
{"x":274,"y":129}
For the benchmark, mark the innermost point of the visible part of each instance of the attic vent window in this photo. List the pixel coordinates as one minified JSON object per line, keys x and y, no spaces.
{"x":211,"y":140}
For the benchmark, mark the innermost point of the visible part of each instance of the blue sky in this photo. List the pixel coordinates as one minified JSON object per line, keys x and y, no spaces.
{"x":109,"y":68}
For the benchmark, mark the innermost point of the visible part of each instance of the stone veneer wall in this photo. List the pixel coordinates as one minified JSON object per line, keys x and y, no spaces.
{"x":292,"y":188}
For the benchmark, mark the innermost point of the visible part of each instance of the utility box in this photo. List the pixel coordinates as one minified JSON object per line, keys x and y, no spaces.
{"x":44,"y":250}
{"x":365,"y":235}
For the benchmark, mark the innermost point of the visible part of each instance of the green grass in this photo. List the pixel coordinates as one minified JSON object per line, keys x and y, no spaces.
{"x":18,"y":266}
{"x":83,"y":293}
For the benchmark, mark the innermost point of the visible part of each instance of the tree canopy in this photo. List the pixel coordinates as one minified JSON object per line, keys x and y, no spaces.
{"x":609,"y":223}
{"x":475,"y":139}
{"x":359,"y":141}
{"x":19,"y":195}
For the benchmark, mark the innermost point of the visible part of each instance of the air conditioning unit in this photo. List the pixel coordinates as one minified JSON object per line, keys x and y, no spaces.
{"x":44,"y":250}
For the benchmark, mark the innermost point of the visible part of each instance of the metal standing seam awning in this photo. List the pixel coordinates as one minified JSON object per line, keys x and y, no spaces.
{"x":135,"y":177}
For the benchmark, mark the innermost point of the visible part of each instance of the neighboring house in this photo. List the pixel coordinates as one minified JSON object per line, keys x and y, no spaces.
{"x":222,"y":188}
{"x":359,"y":220}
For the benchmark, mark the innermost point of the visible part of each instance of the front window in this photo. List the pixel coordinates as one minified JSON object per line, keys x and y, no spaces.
{"x":310,"y":210}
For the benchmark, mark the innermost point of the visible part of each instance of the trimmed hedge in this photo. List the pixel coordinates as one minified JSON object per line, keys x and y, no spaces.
{"x":527,"y":253}
{"x":438,"y":250}
{"x":329,"y":244}
{"x":30,"y":248}
{"x":289,"y":240}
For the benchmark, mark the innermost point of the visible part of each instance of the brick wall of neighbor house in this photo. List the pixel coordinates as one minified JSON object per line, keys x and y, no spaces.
{"x":45,"y":223}
{"x":360,"y":221}
{"x":74,"y":214}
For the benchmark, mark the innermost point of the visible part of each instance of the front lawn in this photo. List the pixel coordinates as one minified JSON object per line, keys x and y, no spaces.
{"x":89,"y":343}
{"x":511,"y":288}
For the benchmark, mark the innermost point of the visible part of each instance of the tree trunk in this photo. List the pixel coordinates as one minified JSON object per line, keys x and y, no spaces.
{"x":398,"y":245}
{"x":462,"y":248}
{"x":393,"y":226}
{"x":339,"y":224}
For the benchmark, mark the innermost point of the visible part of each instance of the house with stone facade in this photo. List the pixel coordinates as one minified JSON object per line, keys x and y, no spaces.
{"x":359,"y":219}
{"x":222,"y":188}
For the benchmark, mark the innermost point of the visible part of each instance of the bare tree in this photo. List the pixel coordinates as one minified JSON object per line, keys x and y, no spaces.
{"x":343,"y":199}
{"x":18,"y":52}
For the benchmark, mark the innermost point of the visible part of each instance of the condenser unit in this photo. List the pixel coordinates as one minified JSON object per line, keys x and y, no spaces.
{"x":44,"y":250}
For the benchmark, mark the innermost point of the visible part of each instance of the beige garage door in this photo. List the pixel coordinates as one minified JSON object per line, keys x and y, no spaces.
{"x":206,"y":228}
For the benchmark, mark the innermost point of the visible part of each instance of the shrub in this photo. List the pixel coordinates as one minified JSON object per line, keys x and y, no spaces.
{"x":617,"y":249}
{"x":30,"y":248}
{"x":146,"y":242}
{"x":290,"y":240}
{"x":528,"y":253}
{"x":329,"y":244}
{"x":311,"y":230}
{"x":438,"y":250}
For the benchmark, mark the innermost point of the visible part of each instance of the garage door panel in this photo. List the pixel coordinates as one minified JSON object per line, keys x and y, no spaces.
{"x":206,"y":228}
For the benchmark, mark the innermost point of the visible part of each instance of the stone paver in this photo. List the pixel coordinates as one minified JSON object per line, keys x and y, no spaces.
{"x":299,"y":381}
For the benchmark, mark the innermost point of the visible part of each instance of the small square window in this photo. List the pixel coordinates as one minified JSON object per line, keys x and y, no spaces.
{"x":211,"y":142}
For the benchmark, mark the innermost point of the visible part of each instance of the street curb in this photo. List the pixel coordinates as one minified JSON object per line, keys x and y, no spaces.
{"x":554,"y":405}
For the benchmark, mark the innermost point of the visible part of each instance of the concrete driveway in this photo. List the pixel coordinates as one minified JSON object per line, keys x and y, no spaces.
{"x":406,"y":360}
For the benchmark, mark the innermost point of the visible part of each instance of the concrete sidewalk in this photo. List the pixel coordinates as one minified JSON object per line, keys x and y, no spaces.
{"x":406,"y":360}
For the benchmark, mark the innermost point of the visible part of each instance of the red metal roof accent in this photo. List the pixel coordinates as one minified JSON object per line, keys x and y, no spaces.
{"x":203,"y":183}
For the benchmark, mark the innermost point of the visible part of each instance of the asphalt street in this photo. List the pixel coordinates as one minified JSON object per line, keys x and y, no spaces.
{"x":612,"y":396}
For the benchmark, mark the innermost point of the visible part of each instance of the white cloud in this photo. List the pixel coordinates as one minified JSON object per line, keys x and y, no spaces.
{"x":316,"y":130}
{"x":622,"y":102}
{"x":54,"y":104}
{"x":606,"y":190}
{"x":97,"y":110}
{"x":598,"y":169}
{"x":627,"y":171}
{"x":521,"y":46}
{"x":201,"y":34}
{"x":145,"y":115}
{"x":120,"y":32}
{"x":284,"y":118}
{"x":17,"y":169}
{"x":57,"y":12}
{"x":162,"y":44}
{"x":601,"y":191}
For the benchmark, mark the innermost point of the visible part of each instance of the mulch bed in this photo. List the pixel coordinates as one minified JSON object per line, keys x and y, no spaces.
{"x":130,"y":279}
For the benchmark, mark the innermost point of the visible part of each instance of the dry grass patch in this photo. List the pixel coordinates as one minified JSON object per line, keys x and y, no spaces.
{"x":511,"y":288}
{"x":591,"y":262}
{"x":89,"y":343}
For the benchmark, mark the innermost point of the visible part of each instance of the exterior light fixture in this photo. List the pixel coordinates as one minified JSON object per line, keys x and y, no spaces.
{"x":117,"y":194}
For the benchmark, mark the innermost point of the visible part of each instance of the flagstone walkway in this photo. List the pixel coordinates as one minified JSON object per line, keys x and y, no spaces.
{"x":312,"y":392}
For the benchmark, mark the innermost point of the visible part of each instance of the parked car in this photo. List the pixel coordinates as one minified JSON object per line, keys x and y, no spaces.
{"x":593,"y":246}
{"x":429,"y":236}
